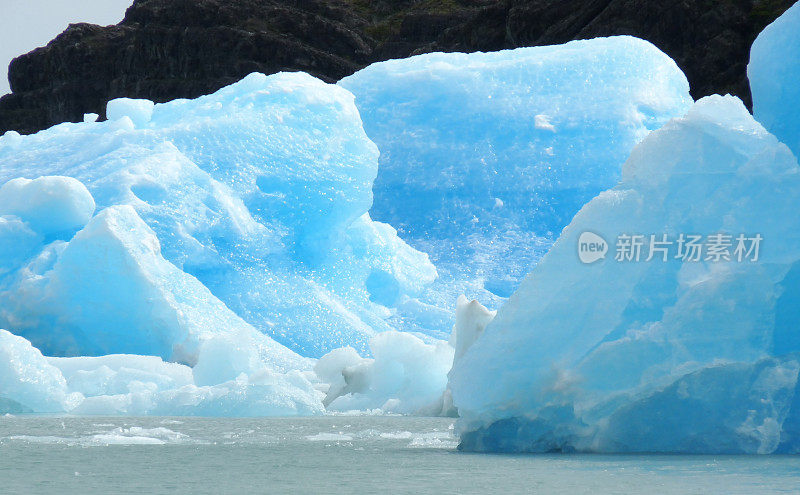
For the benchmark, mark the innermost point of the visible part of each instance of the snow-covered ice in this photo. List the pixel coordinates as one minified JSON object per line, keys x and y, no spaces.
{"x":485,"y":157}
{"x":675,"y":355}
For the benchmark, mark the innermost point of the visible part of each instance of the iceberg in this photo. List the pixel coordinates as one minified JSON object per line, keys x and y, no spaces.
{"x":656,"y":346}
{"x":773,"y":71}
{"x":259,"y":193}
{"x":485,"y":157}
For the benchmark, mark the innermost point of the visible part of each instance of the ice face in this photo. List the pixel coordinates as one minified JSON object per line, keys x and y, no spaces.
{"x":675,"y":355}
{"x":471,"y":320}
{"x":773,"y":71}
{"x":109,"y":290}
{"x":485,"y":157}
{"x":27,"y":382}
{"x":259,"y":191}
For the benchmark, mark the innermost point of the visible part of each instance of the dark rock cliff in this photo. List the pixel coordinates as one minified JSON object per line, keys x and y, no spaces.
{"x":167,"y":49}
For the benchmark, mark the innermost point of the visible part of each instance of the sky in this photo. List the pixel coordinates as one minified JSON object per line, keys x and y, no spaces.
{"x":28,"y":24}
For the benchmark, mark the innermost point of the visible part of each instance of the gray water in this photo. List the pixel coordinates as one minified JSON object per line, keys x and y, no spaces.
{"x":337,"y":454}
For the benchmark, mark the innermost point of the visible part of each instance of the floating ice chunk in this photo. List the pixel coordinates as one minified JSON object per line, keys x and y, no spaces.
{"x":51,"y":206}
{"x":135,"y":435}
{"x":773,"y":71}
{"x":264,"y":393}
{"x":329,"y":437}
{"x":458,"y":130}
{"x":405,"y":375}
{"x":27,"y":382}
{"x":471,"y":320}
{"x":655,"y":355}
{"x":434,"y":440}
{"x":139,"y":111}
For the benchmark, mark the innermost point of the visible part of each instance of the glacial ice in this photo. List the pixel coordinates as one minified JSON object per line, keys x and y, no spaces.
{"x":28,"y":383}
{"x":138,"y":111}
{"x":108,"y":290}
{"x":259,"y":191}
{"x":666,"y":356}
{"x":155,"y":254}
{"x":141,"y":385}
{"x":774,"y":72}
{"x":485,"y":157}
{"x":192,"y":257}
{"x":53,"y":207}
{"x":405,"y":375}
{"x":264,"y":393}
{"x":471,"y":321}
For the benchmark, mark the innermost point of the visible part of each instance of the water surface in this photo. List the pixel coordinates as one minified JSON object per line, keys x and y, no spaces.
{"x":337,"y":454}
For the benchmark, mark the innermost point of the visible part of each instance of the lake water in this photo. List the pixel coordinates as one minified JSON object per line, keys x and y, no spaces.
{"x":337,"y":454}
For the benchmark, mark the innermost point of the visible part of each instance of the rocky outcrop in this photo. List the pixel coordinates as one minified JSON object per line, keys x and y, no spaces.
{"x":167,"y":49}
